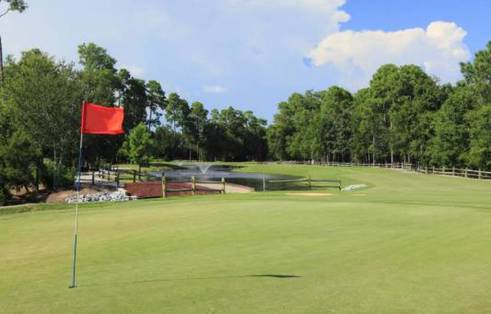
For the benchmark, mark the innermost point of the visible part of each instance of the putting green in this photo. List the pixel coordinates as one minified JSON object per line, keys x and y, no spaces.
{"x":414,"y":243}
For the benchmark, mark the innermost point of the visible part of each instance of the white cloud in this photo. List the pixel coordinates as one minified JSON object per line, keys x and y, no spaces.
{"x":214,"y":89}
{"x":135,"y":70}
{"x":438,"y":49}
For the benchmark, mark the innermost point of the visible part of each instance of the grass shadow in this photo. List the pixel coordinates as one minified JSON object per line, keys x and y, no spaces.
{"x":275,"y":276}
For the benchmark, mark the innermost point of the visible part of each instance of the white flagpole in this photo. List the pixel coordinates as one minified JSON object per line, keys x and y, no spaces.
{"x":75,"y":228}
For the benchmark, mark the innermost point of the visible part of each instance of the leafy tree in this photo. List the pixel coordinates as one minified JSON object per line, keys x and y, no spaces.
{"x":478,"y":74}
{"x":301,"y":112}
{"x":99,"y":75}
{"x":360,"y":125}
{"x":44,"y":97}
{"x":177,"y":111}
{"x":276,"y":141}
{"x":235,"y":135}
{"x":166,"y":143}
{"x":134,"y":99}
{"x":13,"y":5}
{"x":335,"y":123}
{"x":19,"y":160}
{"x":370,"y":131}
{"x":157,"y":103}
{"x":137,"y":146}
{"x":198,"y":120}
{"x":255,"y":140}
{"x":280,"y":132}
{"x":451,"y":138}
{"x":479,"y":154}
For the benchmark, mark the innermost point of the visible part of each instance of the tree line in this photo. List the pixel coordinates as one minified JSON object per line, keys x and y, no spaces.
{"x":404,"y":115}
{"x":40,"y":102}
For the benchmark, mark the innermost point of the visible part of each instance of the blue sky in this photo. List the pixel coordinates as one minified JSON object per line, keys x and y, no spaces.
{"x":252,"y":54}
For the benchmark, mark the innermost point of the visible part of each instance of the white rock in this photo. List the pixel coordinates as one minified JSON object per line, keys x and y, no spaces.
{"x":354,"y":187}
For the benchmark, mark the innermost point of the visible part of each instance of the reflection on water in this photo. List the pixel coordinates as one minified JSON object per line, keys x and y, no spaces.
{"x":212,"y":172}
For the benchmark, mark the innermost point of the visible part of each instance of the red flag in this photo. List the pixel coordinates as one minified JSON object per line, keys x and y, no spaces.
{"x":98,"y":119}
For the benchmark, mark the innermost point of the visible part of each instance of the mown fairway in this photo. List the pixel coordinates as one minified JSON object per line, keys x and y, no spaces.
{"x":410,"y":243}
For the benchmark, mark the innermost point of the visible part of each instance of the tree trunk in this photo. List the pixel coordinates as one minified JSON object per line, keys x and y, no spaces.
{"x":373,"y":149}
{"x":54,"y":168}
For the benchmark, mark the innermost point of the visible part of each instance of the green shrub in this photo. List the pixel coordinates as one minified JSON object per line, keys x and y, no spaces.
{"x":3,"y":197}
{"x":56,"y":176}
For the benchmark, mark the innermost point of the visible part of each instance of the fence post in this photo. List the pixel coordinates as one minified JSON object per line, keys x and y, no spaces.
{"x":426,"y":169}
{"x":264,"y":183}
{"x":193,"y":184}
{"x":453,"y":171}
{"x":164,"y":185}
{"x":433,"y":171}
{"x":443,"y":170}
{"x":117,"y":179}
{"x":466,"y":173}
{"x":479,"y":174}
{"x":93,"y":177}
{"x":310,"y":183}
{"x":134,"y":176}
{"x":223,"y":185}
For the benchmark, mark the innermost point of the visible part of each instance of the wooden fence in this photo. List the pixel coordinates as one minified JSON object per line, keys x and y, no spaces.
{"x":443,"y":171}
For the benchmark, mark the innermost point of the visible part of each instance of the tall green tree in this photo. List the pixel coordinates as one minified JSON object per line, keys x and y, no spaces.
{"x":45,"y":99}
{"x":280,"y":132}
{"x":134,"y":99}
{"x":99,"y":75}
{"x":198,"y":121}
{"x":19,"y":160}
{"x":479,"y":154}
{"x":451,"y":139}
{"x":334,"y":123}
{"x":138,"y":146}
{"x":370,"y":141}
{"x":177,"y":111}
{"x":477,"y":74}
{"x":156,"y":105}
{"x":302,"y":143}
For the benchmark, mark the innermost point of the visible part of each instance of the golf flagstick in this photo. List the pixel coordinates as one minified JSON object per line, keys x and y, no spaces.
{"x":75,"y":228}
{"x":95,"y":119}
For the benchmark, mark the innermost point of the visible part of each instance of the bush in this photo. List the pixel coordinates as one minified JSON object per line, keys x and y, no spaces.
{"x":3,"y":197}
{"x":53,"y":176}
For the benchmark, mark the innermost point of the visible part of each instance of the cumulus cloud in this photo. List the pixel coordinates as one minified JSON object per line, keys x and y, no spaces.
{"x":438,"y":49}
{"x":214,"y":89}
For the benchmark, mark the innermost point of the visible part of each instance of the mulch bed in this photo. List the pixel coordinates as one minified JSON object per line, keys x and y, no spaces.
{"x":154,"y":189}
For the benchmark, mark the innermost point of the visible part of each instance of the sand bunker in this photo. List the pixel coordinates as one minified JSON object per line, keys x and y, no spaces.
{"x":229,"y":187}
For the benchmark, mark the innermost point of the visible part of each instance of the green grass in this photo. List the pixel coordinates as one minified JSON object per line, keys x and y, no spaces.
{"x":410,"y":243}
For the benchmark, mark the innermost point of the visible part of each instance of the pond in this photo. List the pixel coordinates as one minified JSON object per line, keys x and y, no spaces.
{"x":215,"y":172}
